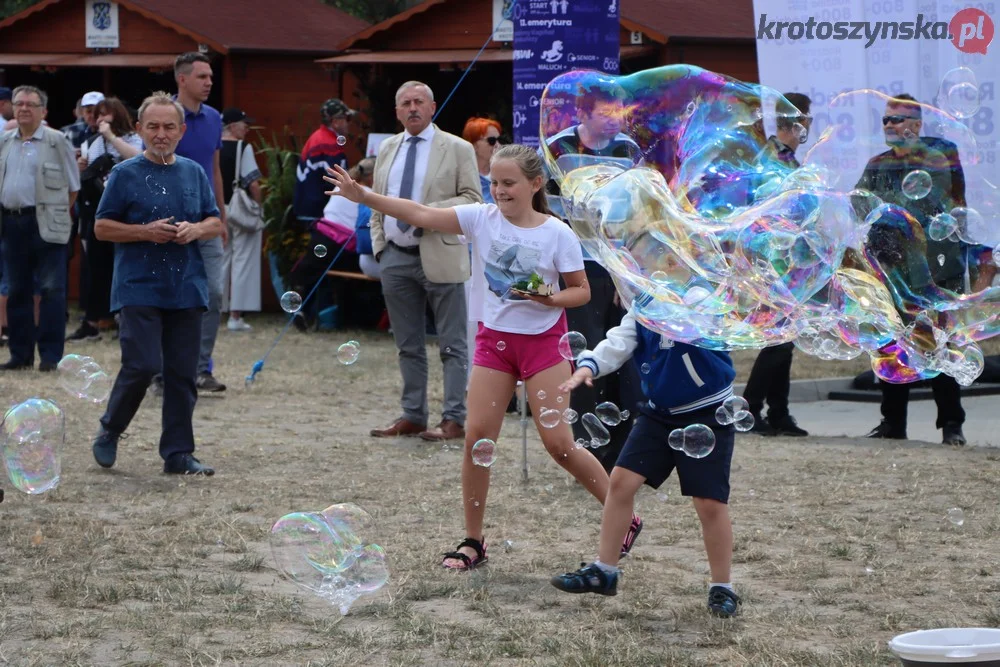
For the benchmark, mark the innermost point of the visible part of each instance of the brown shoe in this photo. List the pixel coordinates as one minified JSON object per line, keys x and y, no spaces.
{"x":399,"y":427}
{"x":446,"y":430}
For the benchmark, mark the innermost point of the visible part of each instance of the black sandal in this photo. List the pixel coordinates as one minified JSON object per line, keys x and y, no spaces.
{"x":467,"y":563}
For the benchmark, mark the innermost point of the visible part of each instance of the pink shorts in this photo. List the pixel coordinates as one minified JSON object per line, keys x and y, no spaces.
{"x":523,"y":355}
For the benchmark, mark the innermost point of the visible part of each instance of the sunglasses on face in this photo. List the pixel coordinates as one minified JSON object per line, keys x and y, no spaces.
{"x":896,"y":120}
{"x":492,"y":141}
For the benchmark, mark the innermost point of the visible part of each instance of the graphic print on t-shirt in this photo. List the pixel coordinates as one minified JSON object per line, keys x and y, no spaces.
{"x":508,"y":263}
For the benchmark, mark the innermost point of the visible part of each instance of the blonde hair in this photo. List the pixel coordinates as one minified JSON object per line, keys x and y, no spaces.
{"x":161,"y":99}
{"x":530,"y":163}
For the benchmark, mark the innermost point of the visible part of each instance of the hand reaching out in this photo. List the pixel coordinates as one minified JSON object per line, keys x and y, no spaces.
{"x":583,"y":375}
{"x":344,"y":185}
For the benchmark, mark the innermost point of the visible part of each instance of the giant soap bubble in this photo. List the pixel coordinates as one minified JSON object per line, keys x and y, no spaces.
{"x":717,"y":239}
{"x":32,"y":435}
{"x":326,"y":553}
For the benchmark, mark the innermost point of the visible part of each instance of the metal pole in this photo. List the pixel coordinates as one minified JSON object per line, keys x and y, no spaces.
{"x":523,"y":401}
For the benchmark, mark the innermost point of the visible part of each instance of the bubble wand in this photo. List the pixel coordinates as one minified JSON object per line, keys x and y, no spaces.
{"x":258,"y":365}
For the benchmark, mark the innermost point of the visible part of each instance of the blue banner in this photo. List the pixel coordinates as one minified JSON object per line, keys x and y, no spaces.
{"x":552,"y":37}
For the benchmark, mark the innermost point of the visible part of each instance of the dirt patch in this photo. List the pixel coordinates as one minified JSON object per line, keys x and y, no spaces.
{"x":840,"y":544}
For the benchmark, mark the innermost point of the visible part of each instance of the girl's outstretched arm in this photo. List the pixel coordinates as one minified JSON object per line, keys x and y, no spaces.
{"x":436,"y":219}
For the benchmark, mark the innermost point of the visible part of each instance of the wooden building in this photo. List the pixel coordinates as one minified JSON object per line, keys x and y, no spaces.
{"x":435,"y":41}
{"x":263,"y":54}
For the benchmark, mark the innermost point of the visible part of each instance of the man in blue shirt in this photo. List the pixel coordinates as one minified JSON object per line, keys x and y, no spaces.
{"x":155,"y":206}
{"x":202,"y":142}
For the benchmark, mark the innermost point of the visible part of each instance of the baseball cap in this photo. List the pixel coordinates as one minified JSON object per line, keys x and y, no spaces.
{"x":92,"y":98}
{"x":234,"y":115}
{"x":5,"y":93}
{"x":334,"y":107}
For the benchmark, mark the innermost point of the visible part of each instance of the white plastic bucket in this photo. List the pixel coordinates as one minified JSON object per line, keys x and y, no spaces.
{"x":948,"y":647}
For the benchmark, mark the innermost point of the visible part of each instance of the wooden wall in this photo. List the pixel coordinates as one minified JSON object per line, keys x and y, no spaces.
{"x":61,"y":29}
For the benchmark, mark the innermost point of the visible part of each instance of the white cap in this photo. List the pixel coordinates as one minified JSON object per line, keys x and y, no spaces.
{"x":92,"y":98}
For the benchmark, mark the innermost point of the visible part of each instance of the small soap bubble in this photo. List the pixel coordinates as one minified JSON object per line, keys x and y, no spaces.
{"x":942,"y":226}
{"x":320,"y":250}
{"x":940,"y":260}
{"x":549,"y":418}
{"x":84,"y":378}
{"x":32,"y":436}
{"x":676,"y":439}
{"x":559,"y":399}
{"x":291,"y":302}
{"x":744,"y":421}
{"x":348,"y":353}
{"x":541,"y":395}
{"x":571,"y":345}
{"x":726,"y":414}
{"x":608,"y":413}
{"x":956,"y":516}
{"x":916,"y":184}
{"x":484,"y":453}
{"x":869,"y":570}
{"x":996,"y":255}
{"x":626,"y":414}
{"x":570,"y":416}
{"x":645,"y":369}
{"x":581,"y":443}
{"x":699,"y":441}
{"x":662,"y":497}
{"x":341,"y":140}
{"x":599,"y":435}
{"x":501,"y":345}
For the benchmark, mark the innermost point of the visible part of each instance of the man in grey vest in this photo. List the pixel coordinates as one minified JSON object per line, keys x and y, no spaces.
{"x":39,"y":180}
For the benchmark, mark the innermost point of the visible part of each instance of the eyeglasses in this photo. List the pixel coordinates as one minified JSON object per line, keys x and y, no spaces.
{"x":27,"y":105}
{"x":492,"y":141}
{"x":896,"y":120}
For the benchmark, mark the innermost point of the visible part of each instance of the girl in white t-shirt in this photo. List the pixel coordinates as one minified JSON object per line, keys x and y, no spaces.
{"x":521,"y":246}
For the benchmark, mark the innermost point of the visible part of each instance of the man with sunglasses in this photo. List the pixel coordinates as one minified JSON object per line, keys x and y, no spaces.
{"x":883,"y":176}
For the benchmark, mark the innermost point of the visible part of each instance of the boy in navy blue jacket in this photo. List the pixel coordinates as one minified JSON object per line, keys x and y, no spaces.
{"x":684,"y":385}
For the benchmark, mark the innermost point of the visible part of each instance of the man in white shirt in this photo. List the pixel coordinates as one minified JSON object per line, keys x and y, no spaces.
{"x":420,"y":266}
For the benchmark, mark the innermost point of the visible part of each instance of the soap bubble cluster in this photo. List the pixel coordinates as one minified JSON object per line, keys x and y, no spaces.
{"x":717,"y":240}
{"x":33,"y":433}
{"x":327,"y":553}
{"x":84,"y":378}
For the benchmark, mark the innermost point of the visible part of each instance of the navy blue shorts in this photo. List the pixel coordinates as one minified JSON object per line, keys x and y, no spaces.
{"x":647,"y":453}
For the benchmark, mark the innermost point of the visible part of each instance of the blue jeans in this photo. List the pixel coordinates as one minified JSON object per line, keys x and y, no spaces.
{"x":26,"y":255}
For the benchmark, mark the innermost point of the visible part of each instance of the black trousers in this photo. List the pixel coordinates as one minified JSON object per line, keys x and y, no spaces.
{"x":146,"y":333}
{"x":622,"y":388}
{"x":100,"y":259}
{"x":947,"y":396}
{"x":771,"y":380}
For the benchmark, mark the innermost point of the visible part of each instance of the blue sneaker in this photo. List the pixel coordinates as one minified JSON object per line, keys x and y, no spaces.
{"x":106,"y":447}
{"x":588,"y":579}
{"x":722,"y":602}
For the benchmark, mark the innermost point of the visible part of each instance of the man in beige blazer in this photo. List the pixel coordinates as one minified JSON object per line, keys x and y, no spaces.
{"x":437,"y":169}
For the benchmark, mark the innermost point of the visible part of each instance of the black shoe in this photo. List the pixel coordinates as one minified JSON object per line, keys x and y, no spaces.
{"x":84,"y":332}
{"x":106,"y":447}
{"x":761,"y":426}
{"x":15,"y":366}
{"x":723,"y":602}
{"x":3,"y":337}
{"x":787,"y":426}
{"x":208,"y":384}
{"x":952,"y":434}
{"x":887,"y":431}
{"x":47,"y":366}
{"x":588,"y":579}
{"x":186,"y":464}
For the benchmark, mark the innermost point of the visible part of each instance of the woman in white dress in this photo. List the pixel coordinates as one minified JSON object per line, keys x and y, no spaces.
{"x":241,"y":261}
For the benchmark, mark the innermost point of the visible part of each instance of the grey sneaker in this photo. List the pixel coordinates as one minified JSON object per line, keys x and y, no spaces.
{"x":208,"y":384}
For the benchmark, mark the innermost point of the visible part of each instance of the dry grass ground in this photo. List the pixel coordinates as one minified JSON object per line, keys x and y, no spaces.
{"x":840,"y":544}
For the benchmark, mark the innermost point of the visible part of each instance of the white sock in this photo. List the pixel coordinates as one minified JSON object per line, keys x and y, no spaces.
{"x":728,"y":586}
{"x":605,"y":568}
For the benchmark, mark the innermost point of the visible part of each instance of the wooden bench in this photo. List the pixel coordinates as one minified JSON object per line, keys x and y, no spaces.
{"x":350,"y":275}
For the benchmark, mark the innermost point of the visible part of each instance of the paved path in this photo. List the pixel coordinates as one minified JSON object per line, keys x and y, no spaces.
{"x":840,"y":418}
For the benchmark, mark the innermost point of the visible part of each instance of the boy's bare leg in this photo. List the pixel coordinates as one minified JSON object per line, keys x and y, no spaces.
{"x":717,"y":532}
{"x":617,"y":515}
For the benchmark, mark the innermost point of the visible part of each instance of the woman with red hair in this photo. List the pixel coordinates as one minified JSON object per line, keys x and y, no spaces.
{"x":484,"y":135}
